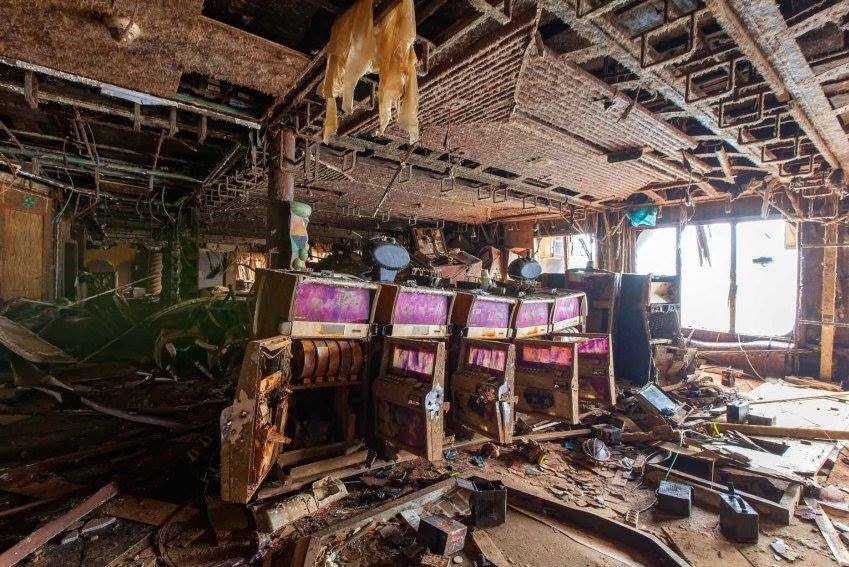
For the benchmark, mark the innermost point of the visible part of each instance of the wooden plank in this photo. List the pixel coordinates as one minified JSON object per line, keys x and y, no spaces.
{"x":829,"y":533}
{"x":793,"y":432}
{"x":51,"y":529}
{"x":839,"y":474}
{"x":488,"y":549}
{"x":21,"y":254}
{"x":828,"y":300}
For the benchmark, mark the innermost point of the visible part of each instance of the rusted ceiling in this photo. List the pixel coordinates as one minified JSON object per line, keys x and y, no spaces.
{"x":521,"y":102}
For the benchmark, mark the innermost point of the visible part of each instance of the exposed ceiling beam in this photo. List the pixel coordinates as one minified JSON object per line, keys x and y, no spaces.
{"x":759,"y":29}
{"x":601,"y":31}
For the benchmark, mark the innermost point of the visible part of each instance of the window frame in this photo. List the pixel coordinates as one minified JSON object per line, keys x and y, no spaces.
{"x":732,"y":290}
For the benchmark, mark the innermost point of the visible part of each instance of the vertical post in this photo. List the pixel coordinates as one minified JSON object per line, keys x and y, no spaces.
{"x":281,"y":193}
{"x":828,"y":299}
{"x":732,"y":288}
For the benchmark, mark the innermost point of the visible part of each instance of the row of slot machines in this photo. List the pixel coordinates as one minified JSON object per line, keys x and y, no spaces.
{"x":399,"y":364}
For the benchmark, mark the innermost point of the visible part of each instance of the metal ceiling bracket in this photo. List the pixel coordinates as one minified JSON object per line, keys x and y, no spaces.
{"x":499,"y":195}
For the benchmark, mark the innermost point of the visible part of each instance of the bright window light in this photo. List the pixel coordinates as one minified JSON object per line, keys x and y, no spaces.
{"x":656,"y":251}
{"x":766,"y":279}
{"x":706,"y":276}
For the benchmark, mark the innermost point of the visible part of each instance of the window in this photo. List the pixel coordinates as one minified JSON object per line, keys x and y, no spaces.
{"x":656,"y":251}
{"x":550,"y":254}
{"x":580,"y":251}
{"x":766,"y":279}
{"x":706,"y":276}
{"x":757,"y":298}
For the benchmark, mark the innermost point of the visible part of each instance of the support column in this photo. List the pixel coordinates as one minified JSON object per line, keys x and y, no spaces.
{"x":828,"y":299}
{"x":281,"y":193}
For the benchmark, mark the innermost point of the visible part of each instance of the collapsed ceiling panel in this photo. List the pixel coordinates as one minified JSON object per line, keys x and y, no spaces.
{"x":173,"y":38}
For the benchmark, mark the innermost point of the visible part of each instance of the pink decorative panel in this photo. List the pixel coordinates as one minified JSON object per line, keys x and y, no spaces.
{"x":597,"y":345}
{"x":418,"y":363}
{"x":566,"y":308}
{"x":561,"y":356}
{"x":416,"y":308}
{"x":532,"y":314}
{"x":483,"y":357}
{"x":326,"y":303}
{"x":486,"y":313}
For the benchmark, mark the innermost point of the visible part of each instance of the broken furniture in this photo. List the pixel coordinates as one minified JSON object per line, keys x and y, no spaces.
{"x":274,"y":516}
{"x":479,"y":315}
{"x":482,"y":389}
{"x":452,"y":265}
{"x":409,"y":396}
{"x":412,"y":311}
{"x":252,"y":427}
{"x":547,"y":379}
{"x":547,"y":512}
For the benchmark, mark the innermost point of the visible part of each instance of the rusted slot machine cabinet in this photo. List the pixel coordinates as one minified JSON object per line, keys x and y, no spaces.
{"x":252,"y":427}
{"x":547,"y":379}
{"x":483,"y":316}
{"x":482,"y":388}
{"x":569,"y":312}
{"x":328,"y":320}
{"x":595,"y":367}
{"x":409,"y":396}
{"x":410,"y":311}
{"x":533,"y":317}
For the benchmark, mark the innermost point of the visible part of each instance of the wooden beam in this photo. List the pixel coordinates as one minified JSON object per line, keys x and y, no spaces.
{"x":31,"y":89}
{"x":811,"y":433}
{"x":51,"y":529}
{"x":828,"y":300}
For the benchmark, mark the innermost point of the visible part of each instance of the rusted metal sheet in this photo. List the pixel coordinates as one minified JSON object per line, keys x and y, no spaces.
{"x":30,"y":346}
{"x":252,"y":427}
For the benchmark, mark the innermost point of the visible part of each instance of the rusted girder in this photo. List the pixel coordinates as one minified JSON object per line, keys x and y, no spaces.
{"x":759,"y":29}
{"x":601,"y":31}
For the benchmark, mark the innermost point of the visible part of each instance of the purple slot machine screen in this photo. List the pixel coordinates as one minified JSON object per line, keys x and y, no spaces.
{"x":486,"y":313}
{"x":532,"y":314}
{"x":416,"y":308}
{"x":566,"y":308}
{"x":327,"y":303}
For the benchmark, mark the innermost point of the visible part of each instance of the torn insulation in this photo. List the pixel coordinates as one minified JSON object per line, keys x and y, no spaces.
{"x":396,"y":63}
{"x":350,"y":55}
{"x":358,"y":47}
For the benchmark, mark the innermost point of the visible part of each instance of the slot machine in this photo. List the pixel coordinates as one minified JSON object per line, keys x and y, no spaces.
{"x":482,"y":388}
{"x":414,"y":323}
{"x":409,"y":396}
{"x":482,"y":395}
{"x":546,"y":379}
{"x":569,"y":312}
{"x":533,"y":316}
{"x":302,"y":379}
{"x":595,"y":366}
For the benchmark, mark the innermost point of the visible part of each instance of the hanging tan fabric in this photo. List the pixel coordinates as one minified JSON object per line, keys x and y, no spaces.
{"x":396,"y":63}
{"x":357,"y":47}
{"x":350,"y":55}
